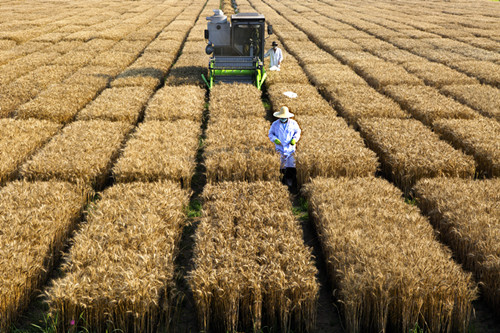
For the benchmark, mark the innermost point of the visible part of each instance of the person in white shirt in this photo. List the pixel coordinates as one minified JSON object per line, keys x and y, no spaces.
{"x":285,"y":133}
{"x":275,"y":55}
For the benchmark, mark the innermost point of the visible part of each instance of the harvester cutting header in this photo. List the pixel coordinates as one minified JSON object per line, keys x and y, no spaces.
{"x":237,"y":48}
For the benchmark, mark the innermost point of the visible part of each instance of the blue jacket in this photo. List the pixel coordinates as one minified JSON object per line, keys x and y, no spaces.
{"x":285,"y":133}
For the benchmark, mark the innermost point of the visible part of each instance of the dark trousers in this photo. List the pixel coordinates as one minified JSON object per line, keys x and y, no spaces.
{"x":290,"y":179}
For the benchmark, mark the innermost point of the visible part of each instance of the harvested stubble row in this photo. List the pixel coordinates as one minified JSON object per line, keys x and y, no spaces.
{"x":239,"y":149}
{"x":117,"y":104}
{"x":160,"y":150}
{"x":19,"y":139}
{"x":427,"y":104}
{"x":82,"y":152}
{"x":477,"y":137}
{"x":408,"y":151}
{"x":251,"y":267}
{"x":119,"y":272}
{"x":307,"y":102}
{"x":384,"y":261}
{"x":36,"y":220}
{"x":356,"y":101}
{"x":58,"y":103}
{"x":483,"y":98}
{"x":465,"y":213}
{"x":174,"y":103}
{"x":235,"y":101}
{"x":329,"y":148}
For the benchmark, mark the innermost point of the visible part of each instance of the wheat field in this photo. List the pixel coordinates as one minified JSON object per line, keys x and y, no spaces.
{"x":134,"y":199}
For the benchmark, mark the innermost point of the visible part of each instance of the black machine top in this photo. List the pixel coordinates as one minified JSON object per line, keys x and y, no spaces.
{"x":248,"y":16}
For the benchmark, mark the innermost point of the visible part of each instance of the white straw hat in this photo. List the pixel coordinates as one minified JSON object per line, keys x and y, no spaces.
{"x":283,"y":113}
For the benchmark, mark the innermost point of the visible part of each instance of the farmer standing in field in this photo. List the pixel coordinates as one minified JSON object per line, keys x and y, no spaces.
{"x":285,"y":133}
{"x":276,"y":57}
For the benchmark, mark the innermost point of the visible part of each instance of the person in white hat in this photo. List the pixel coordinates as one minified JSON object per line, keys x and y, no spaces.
{"x":285,"y":133}
{"x":276,"y":56}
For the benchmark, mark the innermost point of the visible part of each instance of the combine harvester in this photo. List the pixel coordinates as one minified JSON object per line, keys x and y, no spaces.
{"x":237,"y":48}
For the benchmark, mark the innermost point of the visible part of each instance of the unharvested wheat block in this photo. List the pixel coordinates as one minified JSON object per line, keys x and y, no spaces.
{"x":129,"y":46}
{"x":309,"y":53}
{"x":235,"y":101}
{"x":350,"y":57}
{"x":465,"y":212}
{"x":307,"y":102}
{"x":115,"y":59}
{"x":327,"y":74}
{"x":159,"y":60}
{"x":291,"y":35}
{"x":24,"y":65}
{"x":6,"y":44}
{"x":173,"y":103}
{"x":172,"y":35}
{"x":195,"y":48}
{"x":483,"y":98}
{"x":334,"y":44}
{"x":186,"y":75}
{"x":381,"y":73}
{"x":482,"y":42}
{"x":147,"y":77}
{"x":65,"y":46}
{"x":373,"y":44}
{"x":290,"y":72}
{"x":36,"y":221}
{"x":330,"y":148}
{"x":74,"y":59}
{"x":239,"y":149}
{"x":97,"y":77}
{"x":477,"y":137}
{"x":427,"y":104}
{"x":82,"y":152}
{"x":117,"y":104}
{"x":251,"y":267}
{"x":408,"y":151}
{"x":122,"y":260}
{"x":383,"y":258}
{"x":28,"y":86}
{"x":96,"y":46}
{"x":438,"y":55}
{"x":164,"y":46}
{"x":160,"y":150}
{"x":58,"y":103}
{"x":355,"y":101}
{"x":19,"y":139}
{"x":437,"y":75}
{"x":397,"y":56}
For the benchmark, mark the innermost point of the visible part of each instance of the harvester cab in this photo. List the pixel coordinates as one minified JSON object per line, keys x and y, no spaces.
{"x":237,"y":48}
